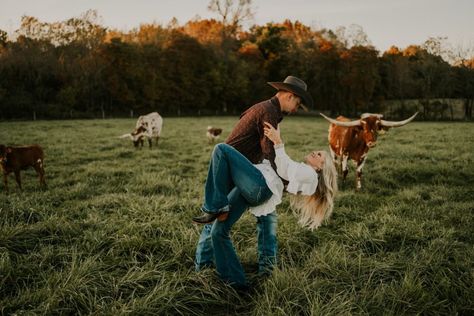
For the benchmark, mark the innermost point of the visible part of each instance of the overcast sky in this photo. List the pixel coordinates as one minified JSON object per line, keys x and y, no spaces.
{"x":396,"y":22}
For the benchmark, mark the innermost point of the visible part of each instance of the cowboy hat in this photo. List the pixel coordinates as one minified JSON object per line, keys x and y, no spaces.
{"x":297,"y":86}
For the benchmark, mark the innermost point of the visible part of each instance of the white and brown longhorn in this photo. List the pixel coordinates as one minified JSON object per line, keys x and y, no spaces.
{"x":352,"y":139}
{"x":148,"y":126}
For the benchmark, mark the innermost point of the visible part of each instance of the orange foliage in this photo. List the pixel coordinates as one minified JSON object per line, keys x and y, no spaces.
{"x":469,"y":63}
{"x":345,"y":54}
{"x":149,"y":33}
{"x":250,"y":50}
{"x":393,"y":50}
{"x":411,"y":50}
{"x":297,"y":31}
{"x":113,"y":34}
{"x":325,"y":45}
{"x":205,"y":31}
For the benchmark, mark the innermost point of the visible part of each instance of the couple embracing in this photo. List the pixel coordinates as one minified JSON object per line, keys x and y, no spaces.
{"x":250,"y":171}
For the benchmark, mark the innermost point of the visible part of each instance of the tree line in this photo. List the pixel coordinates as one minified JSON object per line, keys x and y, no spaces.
{"x":78,"y":68}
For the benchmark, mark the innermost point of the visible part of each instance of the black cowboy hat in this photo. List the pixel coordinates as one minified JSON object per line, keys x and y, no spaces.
{"x":297,"y":86}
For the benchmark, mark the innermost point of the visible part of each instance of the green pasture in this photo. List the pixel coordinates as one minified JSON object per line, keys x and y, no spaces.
{"x":112,"y":233}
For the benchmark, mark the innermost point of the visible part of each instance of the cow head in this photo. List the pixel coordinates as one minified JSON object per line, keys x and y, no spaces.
{"x":4,"y":150}
{"x":136,"y":136}
{"x":214,"y":131}
{"x":370,"y":125}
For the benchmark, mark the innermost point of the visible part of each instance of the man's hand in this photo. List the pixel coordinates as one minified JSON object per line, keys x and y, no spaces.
{"x":272,"y":133}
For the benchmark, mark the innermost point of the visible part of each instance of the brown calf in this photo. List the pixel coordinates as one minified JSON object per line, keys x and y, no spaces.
{"x":16,"y":158}
{"x":213,"y":133}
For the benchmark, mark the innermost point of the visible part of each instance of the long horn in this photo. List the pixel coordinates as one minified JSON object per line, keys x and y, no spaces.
{"x":126,"y":136}
{"x":364,"y":115}
{"x":340,"y":123}
{"x":400,"y":123}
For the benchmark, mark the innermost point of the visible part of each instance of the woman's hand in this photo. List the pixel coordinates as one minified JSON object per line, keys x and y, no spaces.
{"x":272,"y":133}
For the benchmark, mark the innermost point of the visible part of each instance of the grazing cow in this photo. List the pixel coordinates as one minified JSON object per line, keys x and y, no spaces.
{"x":213,"y":133}
{"x":149,"y":127}
{"x":353,"y":139}
{"x":16,"y":158}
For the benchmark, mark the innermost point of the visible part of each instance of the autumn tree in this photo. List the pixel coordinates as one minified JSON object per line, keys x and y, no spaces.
{"x":78,"y":68}
{"x":430,"y":71}
{"x":3,"y":38}
{"x":395,"y":75}
{"x":186,"y":66}
{"x":359,"y":77}
{"x":84,"y":29}
{"x":323,"y":71}
{"x":207,"y":32}
{"x":464,"y":85}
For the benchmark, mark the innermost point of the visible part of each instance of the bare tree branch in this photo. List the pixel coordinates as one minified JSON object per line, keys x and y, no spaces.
{"x":233,"y":13}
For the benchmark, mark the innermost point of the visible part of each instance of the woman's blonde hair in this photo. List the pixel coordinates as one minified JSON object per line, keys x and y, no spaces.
{"x":313,"y":209}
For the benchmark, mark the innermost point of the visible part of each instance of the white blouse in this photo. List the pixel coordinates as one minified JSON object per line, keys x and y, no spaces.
{"x":301,"y":178}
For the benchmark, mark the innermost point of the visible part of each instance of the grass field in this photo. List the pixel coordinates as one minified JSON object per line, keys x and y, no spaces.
{"x":112,"y":232}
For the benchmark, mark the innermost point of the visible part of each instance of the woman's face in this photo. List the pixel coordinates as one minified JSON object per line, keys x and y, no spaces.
{"x":316,"y":159}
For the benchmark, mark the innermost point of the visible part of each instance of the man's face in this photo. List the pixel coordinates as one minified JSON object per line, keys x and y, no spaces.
{"x":292,"y":104}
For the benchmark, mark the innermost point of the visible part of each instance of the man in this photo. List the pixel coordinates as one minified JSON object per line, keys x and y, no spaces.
{"x":249,"y":139}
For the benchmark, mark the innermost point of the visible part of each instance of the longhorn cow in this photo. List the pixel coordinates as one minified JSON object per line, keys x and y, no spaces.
{"x":353,"y":139}
{"x":148,"y":126}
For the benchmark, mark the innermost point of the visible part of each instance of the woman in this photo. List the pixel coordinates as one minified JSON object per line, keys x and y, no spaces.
{"x":312,"y":185}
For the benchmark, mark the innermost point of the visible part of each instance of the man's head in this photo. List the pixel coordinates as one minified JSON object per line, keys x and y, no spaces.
{"x":292,"y":93}
{"x":289,"y":102}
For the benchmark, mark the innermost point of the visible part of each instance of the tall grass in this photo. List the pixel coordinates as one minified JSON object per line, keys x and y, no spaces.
{"x":112,"y":232}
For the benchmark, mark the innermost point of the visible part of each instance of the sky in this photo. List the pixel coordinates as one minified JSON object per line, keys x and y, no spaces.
{"x":386,"y":23}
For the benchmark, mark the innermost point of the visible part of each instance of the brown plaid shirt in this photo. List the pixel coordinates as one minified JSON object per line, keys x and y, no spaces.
{"x":247,"y":136}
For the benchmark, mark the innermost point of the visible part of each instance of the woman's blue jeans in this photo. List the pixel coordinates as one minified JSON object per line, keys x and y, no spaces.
{"x":233,"y":184}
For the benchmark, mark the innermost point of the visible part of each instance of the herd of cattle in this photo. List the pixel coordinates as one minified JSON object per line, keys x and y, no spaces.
{"x":347,"y":140}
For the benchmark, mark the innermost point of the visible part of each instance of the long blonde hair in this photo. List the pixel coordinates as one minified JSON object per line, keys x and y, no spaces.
{"x":313,"y":209}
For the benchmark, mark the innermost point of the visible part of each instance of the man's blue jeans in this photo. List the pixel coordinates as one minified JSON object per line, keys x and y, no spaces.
{"x":233,"y":184}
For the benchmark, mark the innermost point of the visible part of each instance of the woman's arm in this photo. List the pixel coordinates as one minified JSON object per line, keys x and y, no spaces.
{"x":281,"y":158}
{"x":272,"y":133}
{"x":287,"y":168}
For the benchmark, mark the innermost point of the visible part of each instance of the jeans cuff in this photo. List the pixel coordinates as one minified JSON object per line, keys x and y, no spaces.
{"x":220,"y":210}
